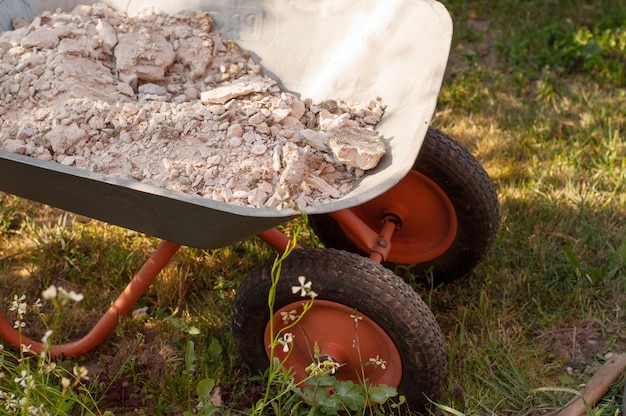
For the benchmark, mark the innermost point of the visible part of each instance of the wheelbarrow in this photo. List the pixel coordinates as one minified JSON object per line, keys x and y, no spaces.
{"x":428,"y":205}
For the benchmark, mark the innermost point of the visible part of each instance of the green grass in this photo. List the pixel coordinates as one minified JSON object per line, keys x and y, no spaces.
{"x":537,"y":91}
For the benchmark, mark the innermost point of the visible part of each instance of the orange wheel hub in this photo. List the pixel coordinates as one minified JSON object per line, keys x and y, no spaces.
{"x":427,"y":219}
{"x":359,"y":345}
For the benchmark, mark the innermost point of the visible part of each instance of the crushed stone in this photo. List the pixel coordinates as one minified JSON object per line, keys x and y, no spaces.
{"x":164,"y":100}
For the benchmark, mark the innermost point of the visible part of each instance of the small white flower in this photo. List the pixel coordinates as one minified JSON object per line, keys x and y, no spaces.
{"x":46,"y":336}
{"x":378,"y":362}
{"x":356,"y":317}
{"x":24,"y":378}
{"x":65,"y":383}
{"x":80,"y":373}
{"x":19,"y":305}
{"x":50,"y":293}
{"x":287,"y":340}
{"x":35,"y":411}
{"x":76,"y":297}
{"x":48,"y":367}
{"x":304,"y":288}
{"x":288,"y":316}
{"x":282,"y":198}
{"x":19,"y":324}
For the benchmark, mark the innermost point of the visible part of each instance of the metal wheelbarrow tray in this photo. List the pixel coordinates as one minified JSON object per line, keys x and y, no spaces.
{"x":428,"y":203}
{"x":320,"y":50}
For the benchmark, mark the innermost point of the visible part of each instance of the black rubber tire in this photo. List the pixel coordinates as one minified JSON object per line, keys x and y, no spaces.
{"x":472,"y":193}
{"x":356,"y":282}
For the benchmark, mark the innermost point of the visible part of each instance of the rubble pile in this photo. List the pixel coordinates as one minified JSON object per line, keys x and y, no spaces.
{"x":164,"y":100}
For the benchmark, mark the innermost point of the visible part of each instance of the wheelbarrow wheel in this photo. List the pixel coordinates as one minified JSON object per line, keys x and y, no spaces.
{"x":448,"y":208}
{"x":364,"y":318}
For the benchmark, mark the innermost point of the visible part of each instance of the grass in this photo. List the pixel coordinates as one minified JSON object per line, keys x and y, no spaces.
{"x":537,"y":91}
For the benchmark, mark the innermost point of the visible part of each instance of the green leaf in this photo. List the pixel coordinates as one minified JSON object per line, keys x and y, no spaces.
{"x":192,"y":330}
{"x":183,"y":326}
{"x":190,"y":357}
{"x":350,"y":394}
{"x":595,"y":276}
{"x":571,"y":257}
{"x":215,"y":349}
{"x":449,"y":410}
{"x":330,"y":405}
{"x":205,"y":387}
{"x":324,"y":380}
{"x":381,"y":393}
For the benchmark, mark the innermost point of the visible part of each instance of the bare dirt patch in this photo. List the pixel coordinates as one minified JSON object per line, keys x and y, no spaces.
{"x":576,"y":344}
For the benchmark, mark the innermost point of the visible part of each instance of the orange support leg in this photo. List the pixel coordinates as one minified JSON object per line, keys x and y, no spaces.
{"x":378,"y":245}
{"x":109,"y":321}
{"x":276,"y":239}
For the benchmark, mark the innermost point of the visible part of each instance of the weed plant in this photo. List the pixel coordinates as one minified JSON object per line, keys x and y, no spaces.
{"x":536,"y":91}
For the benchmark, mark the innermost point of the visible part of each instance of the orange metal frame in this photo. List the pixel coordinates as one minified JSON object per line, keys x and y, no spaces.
{"x":379,"y":244}
{"x":150,"y":270}
{"x":109,"y":321}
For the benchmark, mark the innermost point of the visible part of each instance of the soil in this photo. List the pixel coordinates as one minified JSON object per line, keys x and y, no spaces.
{"x":576,"y":344}
{"x":164,"y":100}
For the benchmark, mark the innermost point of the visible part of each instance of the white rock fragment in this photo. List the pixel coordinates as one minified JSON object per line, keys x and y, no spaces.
{"x":357,"y":148}
{"x":257,"y":197}
{"x":41,"y":38}
{"x":107,"y":33}
{"x":73,"y":46}
{"x":222,"y":94}
{"x":145,"y":54}
{"x":125,"y":89}
{"x":14,"y":146}
{"x":323,"y":186}
{"x":279,"y":114}
{"x":150,"y":88}
{"x":316,"y":139}
{"x":295,"y":167}
{"x":25,"y":132}
{"x":196,"y":53}
{"x":214,"y":160}
{"x":63,"y":138}
{"x":258,"y":149}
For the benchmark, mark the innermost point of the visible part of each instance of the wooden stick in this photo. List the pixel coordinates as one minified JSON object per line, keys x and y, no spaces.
{"x":596,"y":387}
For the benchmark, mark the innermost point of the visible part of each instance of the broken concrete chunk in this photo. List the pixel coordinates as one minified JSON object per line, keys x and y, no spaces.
{"x":322,"y":186}
{"x":315,"y":138}
{"x":41,"y":38}
{"x":73,"y":46}
{"x":242,"y":87}
{"x":153,"y":89}
{"x":64,"y":137}
{"x":197,"y":54}
{"x":357,"y":148}
{"x":145,"y":54}
{"x":107,"y":33}
{"x":14,"y":146}
{"x":295,"y":167}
